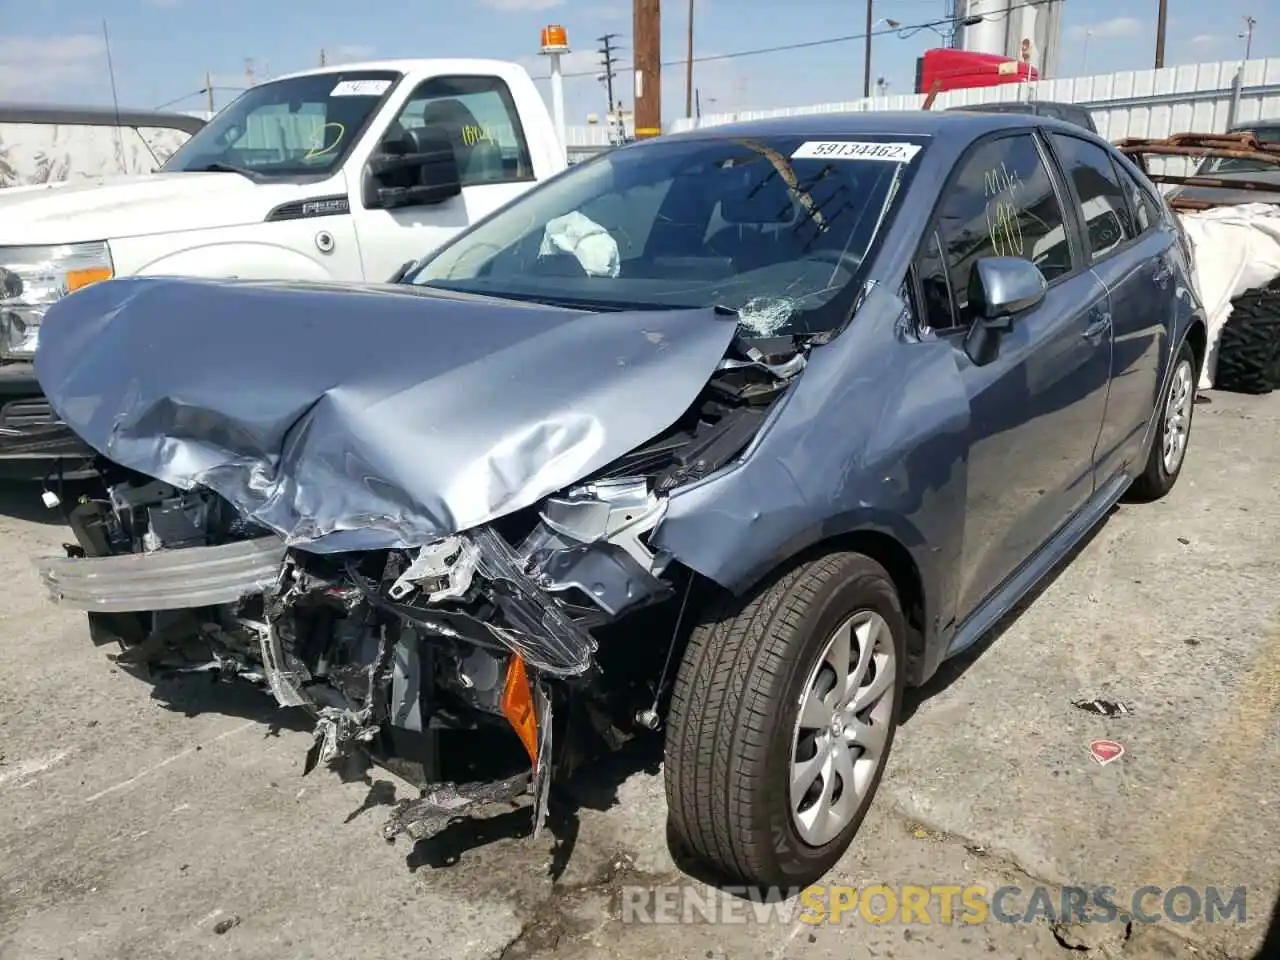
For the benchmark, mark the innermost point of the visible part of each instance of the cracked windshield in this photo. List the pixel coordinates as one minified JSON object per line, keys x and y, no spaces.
{"x":773,"y":229}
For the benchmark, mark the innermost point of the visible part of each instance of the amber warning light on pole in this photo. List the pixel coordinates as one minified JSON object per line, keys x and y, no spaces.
{"x":554,"y":39}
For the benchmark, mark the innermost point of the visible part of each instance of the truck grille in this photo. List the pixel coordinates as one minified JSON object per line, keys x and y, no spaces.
{"x":33,"y":412}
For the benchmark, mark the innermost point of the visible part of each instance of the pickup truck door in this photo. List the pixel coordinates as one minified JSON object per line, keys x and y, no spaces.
{"x":482,"y":120}
{"x":1035,"y":410}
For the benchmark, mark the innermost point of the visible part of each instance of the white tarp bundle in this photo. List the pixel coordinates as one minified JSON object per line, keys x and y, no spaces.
{"x":1236,"y":249}
{"x":33,"y":153}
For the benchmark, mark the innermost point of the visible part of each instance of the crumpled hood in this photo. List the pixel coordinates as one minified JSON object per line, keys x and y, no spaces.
{"x":364,"y":417}
{"x":110,"y":208}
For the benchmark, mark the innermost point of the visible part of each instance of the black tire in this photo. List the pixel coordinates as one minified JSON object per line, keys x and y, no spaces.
{"x":733,"y":716}
{"x":1249,"y":350}
{"x":1156,"y":479}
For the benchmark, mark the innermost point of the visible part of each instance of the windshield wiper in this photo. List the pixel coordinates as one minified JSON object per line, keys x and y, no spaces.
{"x":217,"y":167}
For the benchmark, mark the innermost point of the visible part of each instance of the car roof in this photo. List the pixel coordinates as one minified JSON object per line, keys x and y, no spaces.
{"x":1256,"y":125}
{"x":96,"y":116}
{"x":962,"y":125}
{"x":1019,"y":105}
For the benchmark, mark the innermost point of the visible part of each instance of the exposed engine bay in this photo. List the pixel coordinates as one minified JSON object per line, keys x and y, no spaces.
{"x":557,"y":623}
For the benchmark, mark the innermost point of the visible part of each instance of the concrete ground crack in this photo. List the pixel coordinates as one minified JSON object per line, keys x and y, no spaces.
{"x":1068,"y":935}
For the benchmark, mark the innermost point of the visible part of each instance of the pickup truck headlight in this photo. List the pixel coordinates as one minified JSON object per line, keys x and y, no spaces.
{"x":32,"y":278}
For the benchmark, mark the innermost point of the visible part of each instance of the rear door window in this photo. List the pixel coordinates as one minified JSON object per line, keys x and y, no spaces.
{"x":1146,"y":211}
{"x":1104,"y":211}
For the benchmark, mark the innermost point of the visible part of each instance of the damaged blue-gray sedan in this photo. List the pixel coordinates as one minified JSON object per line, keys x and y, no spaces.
{"x":733,"y":434}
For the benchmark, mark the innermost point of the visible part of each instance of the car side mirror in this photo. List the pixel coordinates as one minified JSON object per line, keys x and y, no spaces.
{"x":418,"y":168}
{"x":1000,"y":288}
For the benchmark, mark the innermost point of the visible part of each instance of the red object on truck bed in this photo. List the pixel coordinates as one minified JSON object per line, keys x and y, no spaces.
{"x":955,"y":69}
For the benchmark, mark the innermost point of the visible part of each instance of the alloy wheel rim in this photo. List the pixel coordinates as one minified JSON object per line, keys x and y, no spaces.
{"x":846,"y":709}
{"x":1177,"y":418}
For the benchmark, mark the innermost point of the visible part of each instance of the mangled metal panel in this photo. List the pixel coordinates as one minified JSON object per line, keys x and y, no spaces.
{"x":365,"y":417}
{"x":793,"y":487}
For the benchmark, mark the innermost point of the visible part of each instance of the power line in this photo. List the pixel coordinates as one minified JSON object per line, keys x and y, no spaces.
{"x":608,"y":60}
{"x":196,"y":93}
{"x":902,"y":31}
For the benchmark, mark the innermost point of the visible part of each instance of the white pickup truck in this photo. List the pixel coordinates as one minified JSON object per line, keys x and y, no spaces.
{"x":341,"y":173}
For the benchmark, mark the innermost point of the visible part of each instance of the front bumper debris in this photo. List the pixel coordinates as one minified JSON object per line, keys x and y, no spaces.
{"x":444,"y":803}
{"x":164,"y":579}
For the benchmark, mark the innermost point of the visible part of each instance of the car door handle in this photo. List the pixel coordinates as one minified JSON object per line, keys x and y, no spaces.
{"x":1100,"y":322}
{"x":1162,"y":272}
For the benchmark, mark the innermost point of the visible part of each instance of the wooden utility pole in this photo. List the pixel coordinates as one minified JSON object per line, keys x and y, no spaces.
{"x":1161,"y":17}
{"x":688,"y":69}
{"x":647,"y":28}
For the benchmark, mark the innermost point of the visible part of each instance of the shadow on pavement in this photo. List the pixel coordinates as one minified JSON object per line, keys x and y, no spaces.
{"x":952,"y":670}
{"x":484,"y":755}
{"x":21,"y":500}
{"x":1270,"y":949}
{"x":594,"y":786}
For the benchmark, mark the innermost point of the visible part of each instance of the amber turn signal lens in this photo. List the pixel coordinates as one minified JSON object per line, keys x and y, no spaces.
{"x":517,"y":706}
{"x":79,"y":279}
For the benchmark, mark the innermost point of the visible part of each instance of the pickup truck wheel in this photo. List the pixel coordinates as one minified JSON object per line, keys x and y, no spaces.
{"x":1173,"y":431}
{"x":782,"y":718}
{"x":1249,"y":350}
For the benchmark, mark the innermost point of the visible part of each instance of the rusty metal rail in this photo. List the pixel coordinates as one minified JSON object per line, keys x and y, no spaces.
{"x":1232,"y":146}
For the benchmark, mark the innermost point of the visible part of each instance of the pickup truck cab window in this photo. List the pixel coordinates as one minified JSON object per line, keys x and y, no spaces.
{"x":294,"y":127}
{"x":1002,"y":203}
{"x":482,"y":121}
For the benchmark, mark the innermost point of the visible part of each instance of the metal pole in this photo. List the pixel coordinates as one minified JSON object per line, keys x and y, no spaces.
{"x":1249,"y":23}
{"x":688,"y":69}
{"x":866,"y":66}
{"x":557,"y":100}
{"x":1161,"y":19}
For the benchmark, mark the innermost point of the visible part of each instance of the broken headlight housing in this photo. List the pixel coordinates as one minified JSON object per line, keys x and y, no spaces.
{"x":33,"y":278}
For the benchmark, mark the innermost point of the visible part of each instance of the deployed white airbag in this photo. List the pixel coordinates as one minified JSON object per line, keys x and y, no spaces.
{"x":578,"y":234}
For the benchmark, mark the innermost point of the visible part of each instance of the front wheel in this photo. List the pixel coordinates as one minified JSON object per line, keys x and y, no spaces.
{"x":782,"y":719}
{"x":1173,"y":431}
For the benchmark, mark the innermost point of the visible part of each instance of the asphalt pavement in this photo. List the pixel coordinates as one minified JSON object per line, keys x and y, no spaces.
{"x":147,"y":821}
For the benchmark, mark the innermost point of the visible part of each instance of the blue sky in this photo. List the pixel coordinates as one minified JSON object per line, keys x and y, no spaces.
{"x":162,"y":48}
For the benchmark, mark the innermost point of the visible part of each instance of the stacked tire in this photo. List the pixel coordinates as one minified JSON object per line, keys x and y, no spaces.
{"x":1249,"y":351}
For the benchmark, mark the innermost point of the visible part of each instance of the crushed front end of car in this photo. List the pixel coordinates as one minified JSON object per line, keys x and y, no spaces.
{"x":392,"y":554}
